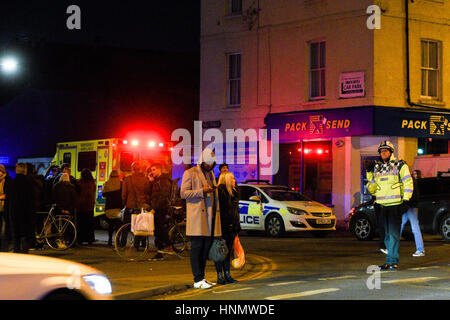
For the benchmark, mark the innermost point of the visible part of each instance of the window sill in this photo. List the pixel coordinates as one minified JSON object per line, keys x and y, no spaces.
{"x":232,"y":16}
{"x":233,"y":107}
{"x":313,"y":102}
{"x":431,"y":102}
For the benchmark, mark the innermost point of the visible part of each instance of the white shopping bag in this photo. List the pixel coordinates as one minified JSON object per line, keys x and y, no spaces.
{"x":142,"y":224}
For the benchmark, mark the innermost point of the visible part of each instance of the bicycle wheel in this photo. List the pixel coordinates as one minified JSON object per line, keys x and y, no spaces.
{"x":179,"y":240}
{"x":128,"y":246}
{"x":60,"y":234}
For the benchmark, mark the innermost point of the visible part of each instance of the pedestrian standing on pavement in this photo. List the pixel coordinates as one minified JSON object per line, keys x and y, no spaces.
{"x":65,"y":168}
{"x":198,"y":187}
{"x":86,"y":205}
{"x":64,"y":196}
{"x":112,"y":191}
{"x":379,"y":214}
{"x":230,"y":224}
{"x":20,"y":209}
{"x":49,"y":183}
{"x":5,"y":236}
{"x":412,"y":216}
{"x":223,"y":168}
{"x":392,"y":185}
{"x":159,"y":194}
{"x":135,"y":191}
{"x":38,"y":199}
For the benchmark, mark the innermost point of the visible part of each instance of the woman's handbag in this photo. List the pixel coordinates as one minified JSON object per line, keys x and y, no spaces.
{"x":218,"y":251}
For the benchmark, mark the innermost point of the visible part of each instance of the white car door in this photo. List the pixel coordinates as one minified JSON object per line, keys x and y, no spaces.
{"x":251,"y":215}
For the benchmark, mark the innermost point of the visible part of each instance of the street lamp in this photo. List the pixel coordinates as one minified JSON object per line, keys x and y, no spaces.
{"x":9,"y":65}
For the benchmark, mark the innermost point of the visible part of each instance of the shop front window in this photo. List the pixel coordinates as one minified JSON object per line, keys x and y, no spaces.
{"x":307,"y":168}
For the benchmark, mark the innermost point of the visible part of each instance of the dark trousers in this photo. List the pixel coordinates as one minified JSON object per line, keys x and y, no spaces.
{"x":85,"y":227}
{"x":199,"y":254}
{"x":225,"y":265}
{"x":161,"y":234}
{"x":392,"y":225}
{"x":380,"y":225}
{"x":4,"y":235}
{"x":113,"y":225}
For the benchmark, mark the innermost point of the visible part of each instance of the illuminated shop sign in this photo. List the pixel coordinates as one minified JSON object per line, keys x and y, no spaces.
{"x":413,"y":124}
{"x":322,"y":123}
{"x":359,"y":121}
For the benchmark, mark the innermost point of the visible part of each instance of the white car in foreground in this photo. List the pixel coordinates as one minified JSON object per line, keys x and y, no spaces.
{"x":32,"y":277}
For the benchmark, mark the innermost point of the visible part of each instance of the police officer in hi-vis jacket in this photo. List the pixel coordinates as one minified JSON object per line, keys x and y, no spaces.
{"x":391,"y":183}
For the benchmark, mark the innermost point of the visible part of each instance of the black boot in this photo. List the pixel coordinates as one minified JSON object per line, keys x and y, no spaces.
{"x":220,"y":278}
{"x":228,"y":277}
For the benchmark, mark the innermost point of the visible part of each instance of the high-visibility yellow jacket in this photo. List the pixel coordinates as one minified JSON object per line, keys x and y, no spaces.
{"x":390,"y":182}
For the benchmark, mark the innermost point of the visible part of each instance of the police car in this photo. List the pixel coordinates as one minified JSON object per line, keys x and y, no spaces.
{"x":278,"y":209}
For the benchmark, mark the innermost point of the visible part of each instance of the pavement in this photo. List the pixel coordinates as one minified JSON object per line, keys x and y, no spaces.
{"x":134,"y":280}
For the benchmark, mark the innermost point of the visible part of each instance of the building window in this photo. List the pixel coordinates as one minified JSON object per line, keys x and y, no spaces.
{"x":235,"y":6}
{"x":234,"y":80}
{"x":430,"y":69}
{"x":317,"y":70}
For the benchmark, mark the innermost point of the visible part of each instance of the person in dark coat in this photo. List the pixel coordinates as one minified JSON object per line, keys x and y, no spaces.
{"x":230,"y":223}
{"x":86,"y":205}
{"x":112,"y":191}
{"x":65,"y":196}
{"x":20,"y":209}
{"x":5,"y":235}
{"x":49,"y":183}
{"x":38,"y":199}
{"x":65,"y":168}
{"x":160,"y":188}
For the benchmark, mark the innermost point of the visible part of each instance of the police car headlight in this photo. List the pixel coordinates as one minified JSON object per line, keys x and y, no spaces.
{"x":98,"y":283}
{"x":296,"y":211}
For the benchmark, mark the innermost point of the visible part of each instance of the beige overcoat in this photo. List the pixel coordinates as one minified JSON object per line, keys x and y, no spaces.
{"x":198,"y":207}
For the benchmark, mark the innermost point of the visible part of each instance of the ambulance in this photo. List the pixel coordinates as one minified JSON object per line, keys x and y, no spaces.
{"x":104,"y":155}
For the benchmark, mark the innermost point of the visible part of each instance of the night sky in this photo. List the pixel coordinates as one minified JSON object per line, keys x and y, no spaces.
{"x":134,"y":65}
{"x":153,"y":25}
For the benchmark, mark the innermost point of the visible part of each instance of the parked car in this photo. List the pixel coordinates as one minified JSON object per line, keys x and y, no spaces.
{"x":33,"y":277}
{"x":278,"y":209}
{"x":433,"y":206}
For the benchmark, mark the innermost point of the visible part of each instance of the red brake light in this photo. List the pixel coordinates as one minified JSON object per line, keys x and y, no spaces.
{"x":134,"y":142}
{"x":161,"y":144}
{"x":151,"y":144}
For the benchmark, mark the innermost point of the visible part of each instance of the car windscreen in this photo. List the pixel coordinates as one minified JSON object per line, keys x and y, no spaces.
{"x":284,"y":194}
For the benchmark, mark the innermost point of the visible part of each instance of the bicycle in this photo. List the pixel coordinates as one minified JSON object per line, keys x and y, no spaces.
{"x":58,"y":231}
{"x":177,"y":229}
{"x":134,"y":248}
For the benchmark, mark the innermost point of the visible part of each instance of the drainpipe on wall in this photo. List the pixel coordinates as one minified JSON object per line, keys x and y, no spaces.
{"x":408,"y":87}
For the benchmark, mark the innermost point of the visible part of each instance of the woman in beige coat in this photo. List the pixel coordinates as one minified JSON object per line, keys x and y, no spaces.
{"x":199,"y":189}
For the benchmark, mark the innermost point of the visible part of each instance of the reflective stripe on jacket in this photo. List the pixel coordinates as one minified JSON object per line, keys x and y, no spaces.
{"x":390,"y":183}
